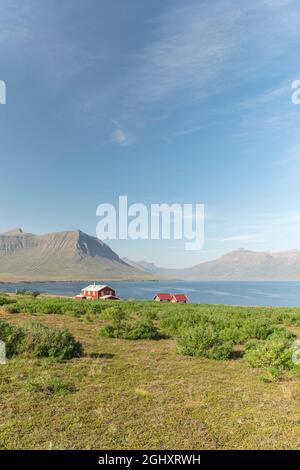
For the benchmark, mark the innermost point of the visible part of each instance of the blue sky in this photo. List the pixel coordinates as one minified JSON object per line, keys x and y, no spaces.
{"x":169,"y":101}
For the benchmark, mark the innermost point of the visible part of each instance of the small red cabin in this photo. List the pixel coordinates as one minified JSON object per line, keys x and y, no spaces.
{"x":179,"y":298}
{"x":162,"y":297}
{"x":96,"y":292}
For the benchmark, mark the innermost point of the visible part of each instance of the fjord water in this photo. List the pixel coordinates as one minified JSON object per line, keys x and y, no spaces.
{"x":216,"y":292}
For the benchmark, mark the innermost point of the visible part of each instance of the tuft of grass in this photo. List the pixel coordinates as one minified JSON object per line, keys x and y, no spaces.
{"x":142,"y":392}
{"x":50,"y":387}
{"x":272,"y":374}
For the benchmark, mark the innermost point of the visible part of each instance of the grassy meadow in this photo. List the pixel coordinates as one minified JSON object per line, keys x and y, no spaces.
{"x":146,"y":375}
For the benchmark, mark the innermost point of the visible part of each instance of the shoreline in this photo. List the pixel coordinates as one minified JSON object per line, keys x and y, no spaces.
{"x":285,"y":294}
{"x":152,"y":280}
{"x":61,"y":296}
{"x":87,"y":280}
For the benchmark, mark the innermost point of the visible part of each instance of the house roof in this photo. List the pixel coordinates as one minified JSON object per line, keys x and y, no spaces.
{"x":163,"y":296}
{"x":180,"y":297}
{"x":96,"y":288}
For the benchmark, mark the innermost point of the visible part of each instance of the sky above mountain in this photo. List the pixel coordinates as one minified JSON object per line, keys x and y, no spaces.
{"x":164,"y":102}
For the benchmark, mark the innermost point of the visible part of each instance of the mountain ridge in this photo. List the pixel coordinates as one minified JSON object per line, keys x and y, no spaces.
{"x":236,"y":265}
{"x":73,"y":255}
{"x":68,"y":255}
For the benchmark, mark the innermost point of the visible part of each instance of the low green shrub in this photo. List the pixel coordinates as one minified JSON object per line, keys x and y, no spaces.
{"x":43,"y":341}
{"x":112,"y":330}
{"x":12,"y":337}
{"x":273,"y":353}
{"x":36,"y":340}
{"x":5,"y":300}
{"x":141,"y":329}
{"x":114,"y":313}
{"x":278,"y":332}
{"x":220,"y":352}
{"x":255,"y":329}
{"x":204,"y":341}
{"x":10,"y":308}
{"x":5,"y":330}
{"x":122,"y":327}
{"x":116,"y":328}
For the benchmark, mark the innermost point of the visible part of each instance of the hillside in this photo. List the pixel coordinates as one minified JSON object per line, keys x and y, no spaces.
{"x":238,"y":265}
{"x":67,"y":256}
{"x":246,"y":265}
{"x":74,"y":255}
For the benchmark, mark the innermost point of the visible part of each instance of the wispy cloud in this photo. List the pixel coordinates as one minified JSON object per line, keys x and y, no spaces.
{"x":122,"y":137}
{"x":242,"y":238}
{"x":198,"y":51}
{"x":194,"y":51}
{"x":251,"y":229}
{"x":192,"y":46}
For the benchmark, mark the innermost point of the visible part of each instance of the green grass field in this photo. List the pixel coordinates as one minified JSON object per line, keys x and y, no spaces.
{"x":147,"y":393}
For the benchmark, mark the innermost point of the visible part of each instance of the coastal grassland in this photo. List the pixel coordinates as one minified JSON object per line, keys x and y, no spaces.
{"x":146,"y":393}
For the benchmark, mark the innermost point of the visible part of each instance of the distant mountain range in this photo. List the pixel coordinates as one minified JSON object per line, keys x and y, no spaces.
{"x":67,"y":256}
{"x":74,"y":255}
{"x":238,"y":265}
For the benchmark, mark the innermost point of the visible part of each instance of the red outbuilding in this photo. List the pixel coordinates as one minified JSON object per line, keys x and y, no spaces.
{"x":162,"y":297}
{"x":179,"y":298}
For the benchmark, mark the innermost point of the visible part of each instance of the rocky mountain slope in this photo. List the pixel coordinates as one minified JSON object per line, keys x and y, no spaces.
{"x":71,"y":255}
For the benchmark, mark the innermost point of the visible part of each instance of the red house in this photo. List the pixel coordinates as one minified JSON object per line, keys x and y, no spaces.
{"x":179,"y":298}
{"x":96,"y":292}
{"x":162,"y":297}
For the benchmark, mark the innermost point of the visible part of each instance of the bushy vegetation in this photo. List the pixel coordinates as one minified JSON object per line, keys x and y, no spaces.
{"x":274,"y":353}
{"x":63,"y":306}
{"x":5,"y":300}
{"x":37,"y":340}
{"x":266,"y":345}
{"x":211,"y":331}
{"x":204,"y":341}
{"x":12,"y":336}
{"x":32,"y":293}
{"x":122,"y":326}
{"x":136,"y":383}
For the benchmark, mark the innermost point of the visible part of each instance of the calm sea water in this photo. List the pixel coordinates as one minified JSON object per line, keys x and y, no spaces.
{"x":217,"y":292}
